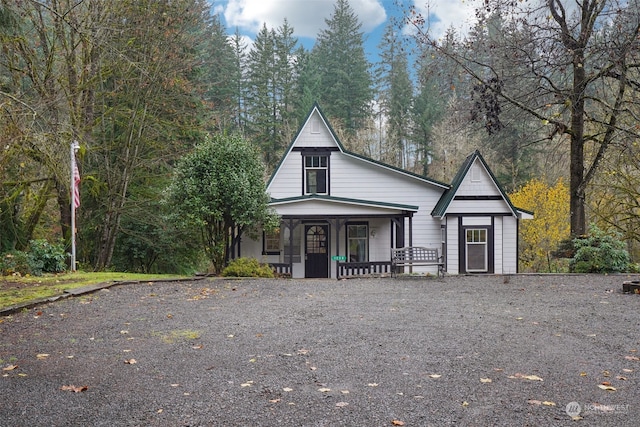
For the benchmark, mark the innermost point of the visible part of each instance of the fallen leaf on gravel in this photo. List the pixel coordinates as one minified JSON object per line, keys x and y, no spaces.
{"x":344,"y":391}
{"x":434,"y":376}
{"x":485,"y":380}
{"x":42,"y":356}
{"x":124,"y":332}
{"x":465,"y":403}
{"x":627,"y":370}
{"x":74,"y":388}
{"x":525,"y":377}
{"x":606,"y":373}
{"x":197,"y":347}
{"x":606,"y":387}
{"x":373,"y":384}
{"x":10,"y":368}
{"x":303,"y":351}
{"x":397,"y":423}
{"x":576,"y":418}
{"x":287,"y":389}
{"x":548,"y":403}
{"x":621,"y":378}
{"x":274,"y":400}
{"x":159,"y":411}
{"x":342,"y":404}
{"x":583,"y":374}
{"x":324,"y":390}
{"x":247,"y":384}
{"x":534,"y":402}
{"x":635,"y":358}
{"x":131,"y":361}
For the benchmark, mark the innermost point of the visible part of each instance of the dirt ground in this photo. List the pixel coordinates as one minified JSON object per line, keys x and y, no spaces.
{"x":525,"y":350}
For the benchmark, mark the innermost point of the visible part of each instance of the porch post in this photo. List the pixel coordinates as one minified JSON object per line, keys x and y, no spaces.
{"x":410,"y":230}
{"x":290,"y":247}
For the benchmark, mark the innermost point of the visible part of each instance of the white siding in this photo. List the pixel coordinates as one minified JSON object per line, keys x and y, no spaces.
{"x":498,"y":235}
{"x":315,"y":133}
{"x":288,"y":180}
{"x":478,"y":206}
{"x":483,"y":185}
{"x":510,"y":245}
{"x":453,"y":250}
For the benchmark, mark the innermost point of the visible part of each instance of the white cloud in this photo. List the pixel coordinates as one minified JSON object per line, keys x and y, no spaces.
{"x":307,"y":17}
{"x":445,"y":14}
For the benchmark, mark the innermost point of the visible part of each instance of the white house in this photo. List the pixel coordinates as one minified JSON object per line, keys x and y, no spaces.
{"x":342,"y":213}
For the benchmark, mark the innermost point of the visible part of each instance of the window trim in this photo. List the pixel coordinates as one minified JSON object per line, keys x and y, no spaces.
{"x":316,"y":153}
{"x":367,"y":240}
{"x":271,"y":251}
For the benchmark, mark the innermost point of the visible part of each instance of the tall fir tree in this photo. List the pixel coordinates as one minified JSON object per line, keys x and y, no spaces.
{"x":395,"y":98}
{"x":220,"y":75}
{"x":346,"y":82}
{"x":271,"y":80}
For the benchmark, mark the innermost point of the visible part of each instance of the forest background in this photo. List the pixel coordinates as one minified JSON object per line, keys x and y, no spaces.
{"x":138,"y":83}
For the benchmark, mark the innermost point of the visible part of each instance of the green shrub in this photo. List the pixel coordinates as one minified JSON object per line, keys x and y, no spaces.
{"x":247,"y":267}
{"x":45,"y":257}
{"x":599,"y":252}
{"x":15,"y":262}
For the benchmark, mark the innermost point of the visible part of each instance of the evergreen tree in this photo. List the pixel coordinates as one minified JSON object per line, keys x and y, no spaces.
{"x":307,"y":83}
{"x":239,"y":96}
{"x":271,"y":88}
{"x":346,"y":83}
{"x":395,"y":95}
{"x":220,"y":75}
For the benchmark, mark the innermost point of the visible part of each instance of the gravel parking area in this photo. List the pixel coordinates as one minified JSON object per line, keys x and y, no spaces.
{"x":524,"y":350}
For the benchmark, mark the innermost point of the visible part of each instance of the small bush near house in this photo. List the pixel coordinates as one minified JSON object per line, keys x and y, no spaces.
{"x":599,"y":253}
{"x":247,"y":267}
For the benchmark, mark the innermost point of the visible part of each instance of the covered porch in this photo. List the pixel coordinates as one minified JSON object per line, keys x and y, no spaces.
{"x":353,"y":237}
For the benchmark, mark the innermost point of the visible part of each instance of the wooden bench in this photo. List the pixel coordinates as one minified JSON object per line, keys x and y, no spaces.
{"x":415,"y":255}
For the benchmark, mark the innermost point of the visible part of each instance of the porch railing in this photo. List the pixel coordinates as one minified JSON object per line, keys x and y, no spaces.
{"x":351,"y":269}
{"x":281,"y":269}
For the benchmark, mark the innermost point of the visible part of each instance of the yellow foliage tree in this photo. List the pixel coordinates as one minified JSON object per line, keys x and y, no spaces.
{"x":551,"y":224}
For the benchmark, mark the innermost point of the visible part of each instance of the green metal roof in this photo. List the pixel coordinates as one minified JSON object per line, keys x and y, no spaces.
{"x":344,"y":200}
{"x":445,"y":200}
{"x":347,"y":152}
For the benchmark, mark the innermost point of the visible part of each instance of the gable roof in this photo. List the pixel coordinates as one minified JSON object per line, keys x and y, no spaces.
{"x":343,"y":150}
{"x":443,"y":204}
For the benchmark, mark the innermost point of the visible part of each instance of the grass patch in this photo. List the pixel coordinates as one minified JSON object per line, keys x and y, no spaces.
{"x":17,"y":290}
{"x":179,"y":335}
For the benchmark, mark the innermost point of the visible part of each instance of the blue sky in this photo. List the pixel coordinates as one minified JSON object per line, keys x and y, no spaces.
{"x":307,"y":17}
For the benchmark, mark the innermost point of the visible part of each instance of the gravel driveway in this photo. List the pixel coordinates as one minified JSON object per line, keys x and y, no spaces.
{"x":470,"y":351}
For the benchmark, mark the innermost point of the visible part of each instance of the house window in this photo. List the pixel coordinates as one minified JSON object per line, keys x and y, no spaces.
{"x":272,"y":242}
{"x":315,"y":174}
{"x":294,"y":250}
{"x":476,"y":250}
{"x":357,"y":242}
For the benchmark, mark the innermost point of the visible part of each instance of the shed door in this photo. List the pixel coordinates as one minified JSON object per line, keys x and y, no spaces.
{"x":477,"y":253}
{"x":316,"y":251}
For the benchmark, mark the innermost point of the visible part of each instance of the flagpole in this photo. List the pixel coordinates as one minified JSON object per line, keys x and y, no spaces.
{"x":74,"y":148}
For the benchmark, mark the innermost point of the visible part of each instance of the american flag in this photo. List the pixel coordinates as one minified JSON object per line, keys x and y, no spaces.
{"x":76,"y":183}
